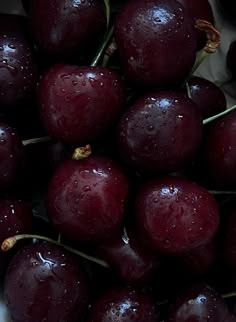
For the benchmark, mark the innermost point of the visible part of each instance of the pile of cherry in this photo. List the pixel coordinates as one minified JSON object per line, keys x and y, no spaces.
{"x":117,"y":165}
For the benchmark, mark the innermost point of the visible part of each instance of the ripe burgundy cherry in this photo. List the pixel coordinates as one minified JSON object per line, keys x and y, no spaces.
{"x":209,"y":98}
{"x":220,"y":151}
{"x":231,"y":59}
{"x":86,"y":199}
{"x":175,"y":216}
{"x":147,"y":34}
{"x":131,"y":262}
{"x":18,"y":69}
{"x":11,"y":158}
{"x":45,"y":283}
{"x":198,"y":303}
{"x":15,"y":218}
{"x":79,"y":104}
{"x":123,"y":305}
{"x":161,"y":132}
{"x":69,"y":27}
{"x":200,"y":9}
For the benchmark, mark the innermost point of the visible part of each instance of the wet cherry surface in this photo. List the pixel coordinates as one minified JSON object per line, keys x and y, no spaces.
{"x":197,"y":304}
{"x":79,"y":104}
{"x":147,"y":33}
{"x":175,"y":216}
{"x":200,"y":9}
{"x":86,"y":198}
{"x":18,"y":69}
{"x":45,"y":283}
{"x":69,"y":27}
{"x":123,"y":305}
{"x":160,"y":133}
{"x":11,"y":157}
{"x":209,"y":98}
{"x":220,"y":151}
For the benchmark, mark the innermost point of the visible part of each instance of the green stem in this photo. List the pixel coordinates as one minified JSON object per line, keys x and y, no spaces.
{"x":229,"y":295}
{"x":10,"y":242}
{"x":212,"y":118}
{"x":198,"y":61}
{"x":36,"y":140}
{"x":215,"y":192}
{"x":108,"y":11}
{"x":103,"y":46}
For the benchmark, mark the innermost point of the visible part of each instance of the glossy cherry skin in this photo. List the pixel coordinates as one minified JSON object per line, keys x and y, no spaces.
{"x":79,"y":104}
{"x":86,"y":199}
{"x":18,"y":69}
{"x":220,"y":151}
{"x":200,"y":10}
{"x":160,"y":132}
{"x":231,"y":59}
{"x":11,"y":158}
{"x":69,"y":27}
{"x":15,"y":218}
{"x":147,"y":34}
{"x":127,"y":257}
{"x":209,"y":98}
{"x":45,"y":283}
{"x":199,"y":303}
{"x":175,"y":216}
{"x":123,"y":305}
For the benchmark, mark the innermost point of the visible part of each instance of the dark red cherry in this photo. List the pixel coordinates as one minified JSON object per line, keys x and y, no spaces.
{"x":79,"y":104}
{"x":220,"y":151}
{"x":229,"y":237}
{"x":18,"y":70}
{"x":197,"y":262}
{"x":131,"y":262}
{"x":147,"y":34}
{"x":11,"y":158}
{"x":69,"y":27}
{"x":86,"y":199}
{"x":231,"y":59}
{"x":199,"y":303}
{"x":161,"y":132}
{"x":123,"y":305}
{"x":175,"y":216}
{"x":209,"y":98}
{"x":200,"y":9}
{"x":45,"y":283}
{"x":15,"y":218}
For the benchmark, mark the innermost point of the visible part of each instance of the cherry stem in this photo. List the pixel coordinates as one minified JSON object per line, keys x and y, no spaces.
{"x":229,"y":295}
{"x":11,"y":241}
{"x":215,"y":192}
{"x":212,"y":118}
{"x":110,"y":50}
{"x":199,"y":60}
{"x":82,"y":153}
{"x":36,"y":140}
{"x":108,"y":11}
{"x":103,"y":46}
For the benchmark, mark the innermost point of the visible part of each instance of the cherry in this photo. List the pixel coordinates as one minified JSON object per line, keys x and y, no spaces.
{"x":231,"y":59}
{"x":15,"y":218}
{"x":147,"y":34}
{"x":199,"y":302}
{"x":161,"y":132}
{"x":220,"y":151}
{"x":18,"y":69}
{"x":69,"y":27}
{"x":200,"y":10}
{"x":11,"y":158}
{"x":132,"y":263}
{"x":209,"y":98}
{"x":175,"y":216}
{"x":123,"y":305}
{"x":229,"y":237}
{"x":45,"y":283}
{"x":79,"y":104}
{"x":86,"y":199}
